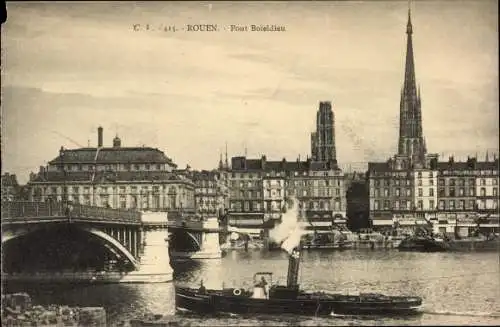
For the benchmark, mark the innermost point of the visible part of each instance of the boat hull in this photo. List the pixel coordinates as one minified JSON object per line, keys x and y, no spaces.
{"x":474,"y":245}
{"x":217,"y":302}
{"x":422,"y":245}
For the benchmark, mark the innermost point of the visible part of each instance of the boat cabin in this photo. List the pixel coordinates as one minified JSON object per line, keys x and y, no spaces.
{"x":262,"y":285}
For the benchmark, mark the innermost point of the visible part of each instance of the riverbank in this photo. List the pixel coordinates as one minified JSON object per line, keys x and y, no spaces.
{"x":18,"y":310}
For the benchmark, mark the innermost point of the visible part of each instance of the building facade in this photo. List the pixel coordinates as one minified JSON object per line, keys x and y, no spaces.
{"x":140,"y":178}
{"x":10,"y":187}
{"x":261,"y":191}
{"x":211,"y":193}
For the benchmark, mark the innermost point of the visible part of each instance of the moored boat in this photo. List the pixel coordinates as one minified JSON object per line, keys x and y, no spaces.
{"x":290,"y":299}
{"x":422,"y":244}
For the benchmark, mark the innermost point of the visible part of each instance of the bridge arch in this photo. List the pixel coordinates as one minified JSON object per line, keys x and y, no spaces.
{"x":114,"y":243}
{"x":107,"y":240}
{"x":180,"y":235}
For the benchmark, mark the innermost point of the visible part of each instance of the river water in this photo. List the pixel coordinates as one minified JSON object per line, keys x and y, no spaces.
{"x":457,"y":289}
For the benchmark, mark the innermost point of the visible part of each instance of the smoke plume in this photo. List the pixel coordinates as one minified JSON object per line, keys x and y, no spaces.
{"x":290,"y":230}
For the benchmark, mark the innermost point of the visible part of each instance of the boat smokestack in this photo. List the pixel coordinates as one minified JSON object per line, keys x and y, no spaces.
{"x":293,"y":269}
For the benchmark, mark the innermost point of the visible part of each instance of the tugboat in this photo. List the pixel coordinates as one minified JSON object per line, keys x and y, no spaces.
{"x":290,"y":299}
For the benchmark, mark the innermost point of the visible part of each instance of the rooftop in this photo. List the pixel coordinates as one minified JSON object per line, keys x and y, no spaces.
{"x":109,"y":155}
{"x":242,"y":163}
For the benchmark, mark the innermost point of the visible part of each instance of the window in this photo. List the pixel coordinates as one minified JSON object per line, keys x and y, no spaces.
{"x":136,"y":167}
{"x":377,"y":182}
{"x":75,"y":190}
{"x":461,"y":205}
{"x":419,"y":174}
{"x":376,"y":205}
{"x":452,"y":192}
{"x":483,"y":181}
{"x":387,"y":205}
{"x":419,"y":182}
{"x":441,"y":204}
{"x":420,"y":204}
{"x":441,"y":192}
{"x":420,"y":192}
{"x":494,"y":181}
{"x":431,"y":205}
{"x":452,"y":182}
{"x":396,"y":182}
{"x":377,"y":193}
{"x":386,"y":192}
{"x":431,"y":182}
{"x":441,"y":181}
{"x":158,"y":167}
{"x":123,"y":201}
{"x":471,"y":192}
{"x":396,"y":204}
{"x":461,"y":191}
{"x":408,"y":192}
{"x":452,"y":204}
{"x":482,"y":191}
{"x":431,"y":192}
{"x":495,"y":191}
{"x":398,"y":192}
{"x":461,"y":182}
{"x":472,"y":204}
{"x":247,"y":206}
{"x":472,"y":182}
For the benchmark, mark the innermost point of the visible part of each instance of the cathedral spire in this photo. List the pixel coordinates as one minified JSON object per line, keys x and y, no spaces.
{"x":220,"y":160}
{"x":227,"y":163}
{"x":411,"y":142}
{"x":409,"y":87}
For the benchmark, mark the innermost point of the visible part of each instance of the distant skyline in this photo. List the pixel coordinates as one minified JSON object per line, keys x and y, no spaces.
{"x":71,"y":67}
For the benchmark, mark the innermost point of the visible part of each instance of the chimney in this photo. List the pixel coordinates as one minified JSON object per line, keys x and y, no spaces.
{"x":99,"y":137}
{"x":293,"y":269}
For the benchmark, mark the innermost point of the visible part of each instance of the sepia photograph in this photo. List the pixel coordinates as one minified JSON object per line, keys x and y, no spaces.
{"x":250,"y":163}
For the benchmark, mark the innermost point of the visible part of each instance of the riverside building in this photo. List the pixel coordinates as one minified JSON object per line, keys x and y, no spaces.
{"x":140,"y":178}
{"x":414,"y":188}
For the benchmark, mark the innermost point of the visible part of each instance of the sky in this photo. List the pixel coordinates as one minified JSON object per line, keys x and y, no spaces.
{"x":68,"y":68}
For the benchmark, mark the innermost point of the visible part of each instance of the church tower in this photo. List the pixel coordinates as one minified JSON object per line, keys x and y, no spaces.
{"x":411,"y":140}
{"x":323,"y":140}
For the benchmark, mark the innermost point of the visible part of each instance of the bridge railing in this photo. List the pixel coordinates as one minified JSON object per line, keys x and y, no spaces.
{"x":20,"y":209}
{"x":109,"y":214}
{"x":27,"y":209}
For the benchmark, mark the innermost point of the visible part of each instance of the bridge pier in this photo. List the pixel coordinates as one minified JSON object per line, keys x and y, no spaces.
{"x":154,"y":265}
